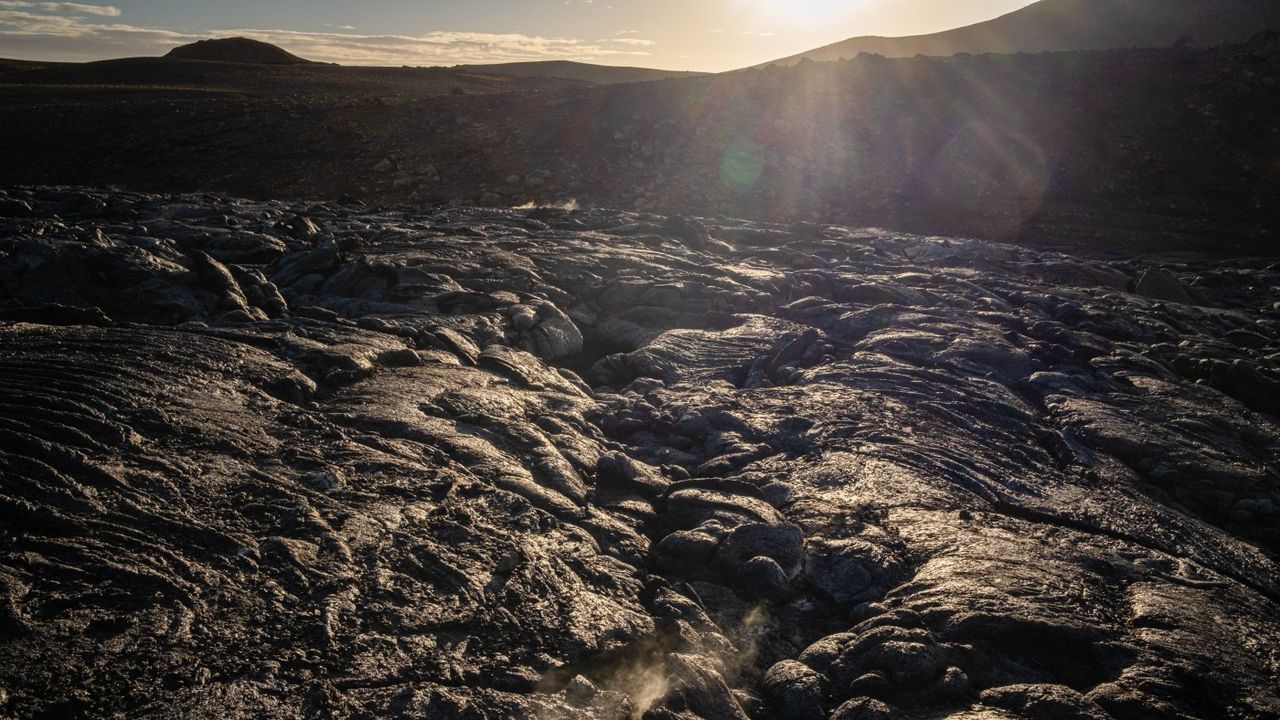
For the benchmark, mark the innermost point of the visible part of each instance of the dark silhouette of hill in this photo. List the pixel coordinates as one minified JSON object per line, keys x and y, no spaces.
{"x":236,"y":50}
{"x":583,"y":72}
{"x":242,"y":65}
{"x":13,"y":66}
{"x":299,"y":79}
{"x":1056,"y":25}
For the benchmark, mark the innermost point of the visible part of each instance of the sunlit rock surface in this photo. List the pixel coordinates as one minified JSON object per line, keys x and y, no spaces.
{"x":262,"y":459}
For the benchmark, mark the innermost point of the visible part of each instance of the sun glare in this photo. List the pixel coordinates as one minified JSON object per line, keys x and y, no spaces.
{"x":798,"y":12}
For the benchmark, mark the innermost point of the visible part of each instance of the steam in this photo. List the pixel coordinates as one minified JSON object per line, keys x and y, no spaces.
{"x":643,"y":671}
{"x":645,"y":682}
{"x":646,"y":677}
{"x":568,"y":205}
{"x":746,"y":637}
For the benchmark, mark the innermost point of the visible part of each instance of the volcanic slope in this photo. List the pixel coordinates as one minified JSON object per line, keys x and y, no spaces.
{"x":1062,"y":25}
{"x":303,"y":460}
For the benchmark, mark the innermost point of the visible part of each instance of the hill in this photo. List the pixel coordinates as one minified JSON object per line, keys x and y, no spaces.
{"x":236,"y":50}
{"x":308,"y":79}
{"x":247,"y":66}
{"x":8,"y":65}
{"x":1056,"y":25}
{"x":582,"y":72}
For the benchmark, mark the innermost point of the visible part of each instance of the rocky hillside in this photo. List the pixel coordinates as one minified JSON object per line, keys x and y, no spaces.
{"x":317,"y":460}
{"x":1063,"y":25}
{"x":1119,"y":149}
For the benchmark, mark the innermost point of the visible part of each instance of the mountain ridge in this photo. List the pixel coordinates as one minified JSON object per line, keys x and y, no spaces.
{"x":240,"y":51}
{"x":1069,"y":25}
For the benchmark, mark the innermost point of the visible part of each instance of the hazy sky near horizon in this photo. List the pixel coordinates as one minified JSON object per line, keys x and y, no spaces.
{"x":671,"y":34}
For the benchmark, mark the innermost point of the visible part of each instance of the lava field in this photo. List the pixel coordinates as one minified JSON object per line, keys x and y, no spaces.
{"x":285,"y":459}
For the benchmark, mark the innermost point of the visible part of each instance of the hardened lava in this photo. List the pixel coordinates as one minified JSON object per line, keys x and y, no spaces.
{"x":266,"y":459}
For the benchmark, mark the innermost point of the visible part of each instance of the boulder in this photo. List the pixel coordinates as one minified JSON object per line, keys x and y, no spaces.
{"x":1160,"y":284}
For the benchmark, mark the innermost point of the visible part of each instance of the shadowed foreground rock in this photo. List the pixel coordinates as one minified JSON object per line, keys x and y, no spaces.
{"x":262,"y":459}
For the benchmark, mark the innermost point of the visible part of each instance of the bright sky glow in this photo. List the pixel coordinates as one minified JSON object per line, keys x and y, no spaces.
{"x":708,"y":35}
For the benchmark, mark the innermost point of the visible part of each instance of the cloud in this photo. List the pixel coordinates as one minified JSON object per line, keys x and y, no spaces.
{"x":67,"y":8}
{"x":74,"y":8}
{"x":39,"y":35}
{"x":441,"y":48}
{"x":57,"y":37}
{"x":630,"y":41}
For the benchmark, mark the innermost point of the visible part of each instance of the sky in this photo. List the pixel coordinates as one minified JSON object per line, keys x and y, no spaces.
{"x":708,"y":35}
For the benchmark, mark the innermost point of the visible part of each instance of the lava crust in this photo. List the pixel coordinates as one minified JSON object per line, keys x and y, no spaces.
{"x":317,"y":460}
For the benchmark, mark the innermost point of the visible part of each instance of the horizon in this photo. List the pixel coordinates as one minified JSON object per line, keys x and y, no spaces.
{"x":664,"y":34}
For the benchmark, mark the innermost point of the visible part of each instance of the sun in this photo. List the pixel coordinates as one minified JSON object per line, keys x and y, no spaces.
{"x":784,"y":13}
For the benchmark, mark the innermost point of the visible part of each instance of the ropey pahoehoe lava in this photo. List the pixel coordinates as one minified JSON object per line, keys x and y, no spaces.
{"x":276,"y":459}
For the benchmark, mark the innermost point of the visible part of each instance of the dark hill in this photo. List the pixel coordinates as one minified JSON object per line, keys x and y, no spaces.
{"x":8,"y":65}
{"x":1055,"y":25}
{"x":311,"y":79}
{"x":236,"y":50}
{"x":582,"y":72}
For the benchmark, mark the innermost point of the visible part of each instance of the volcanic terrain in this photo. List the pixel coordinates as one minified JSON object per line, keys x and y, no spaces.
{"x":316,"y":460}
{"x":885,"y":388}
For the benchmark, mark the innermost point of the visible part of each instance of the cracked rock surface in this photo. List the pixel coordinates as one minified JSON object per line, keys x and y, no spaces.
{"x":290,"y":460}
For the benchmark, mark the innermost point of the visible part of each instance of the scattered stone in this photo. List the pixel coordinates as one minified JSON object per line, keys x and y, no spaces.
{"x":1159,"y":284}
{"x":763,"y":578}
{"x":580,"y":691}
{"x":1051,"y":702}
{"x":794,"y":691}
{"x":863,"y":709}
